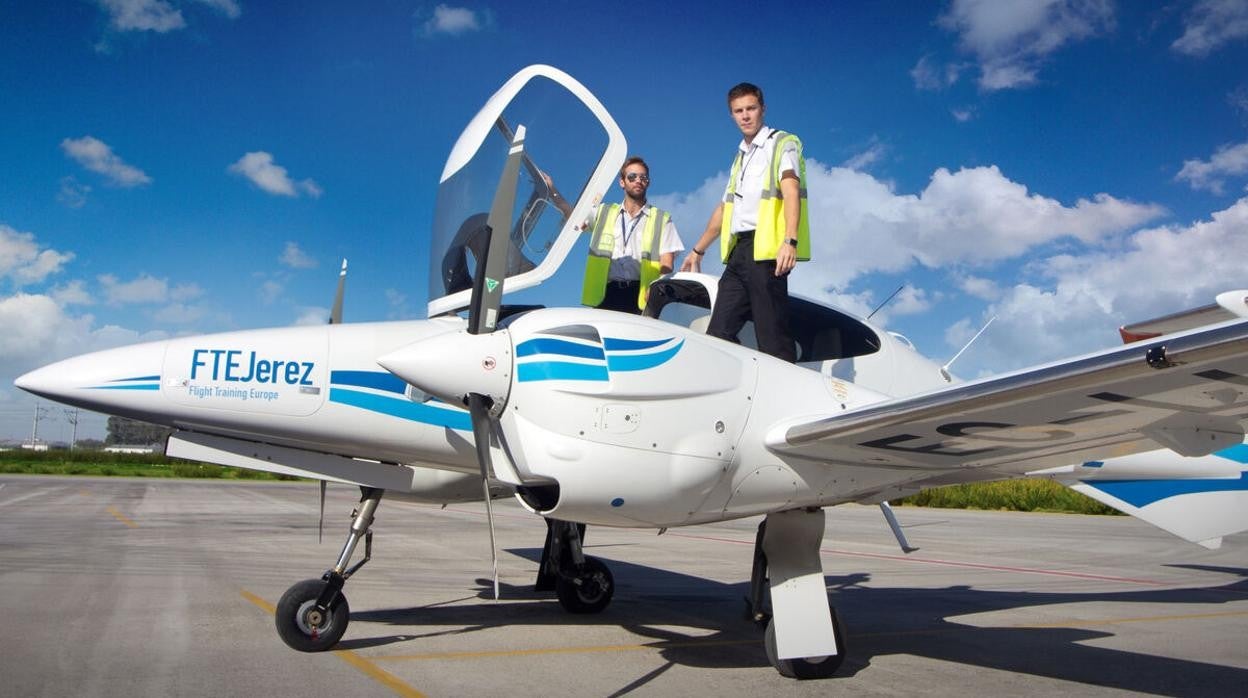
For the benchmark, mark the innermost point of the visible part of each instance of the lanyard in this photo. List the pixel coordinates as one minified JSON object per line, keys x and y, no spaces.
{"x":627,"y":234}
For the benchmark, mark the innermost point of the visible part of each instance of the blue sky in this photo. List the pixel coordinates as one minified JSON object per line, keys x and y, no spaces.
{"x":174,"y":167}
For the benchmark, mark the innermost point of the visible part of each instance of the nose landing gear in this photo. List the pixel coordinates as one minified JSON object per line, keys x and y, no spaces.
{"x":313,"y":614}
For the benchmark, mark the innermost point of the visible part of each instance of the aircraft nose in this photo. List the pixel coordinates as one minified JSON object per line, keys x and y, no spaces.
{"x":46,"y":382}
{"x":451,"y":365}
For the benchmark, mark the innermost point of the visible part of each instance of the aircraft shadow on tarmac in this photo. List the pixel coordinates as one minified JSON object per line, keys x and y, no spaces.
{"x":649,"y":601}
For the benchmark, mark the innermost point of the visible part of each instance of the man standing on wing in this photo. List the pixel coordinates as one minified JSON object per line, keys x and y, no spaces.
{"x":631,"y":245}
{"x":763,"y":229}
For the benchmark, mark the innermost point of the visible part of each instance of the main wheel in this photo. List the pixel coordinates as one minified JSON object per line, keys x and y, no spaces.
{"x":590,"y":592}
{"x":806,"y":667}
{"x":301,"y":626}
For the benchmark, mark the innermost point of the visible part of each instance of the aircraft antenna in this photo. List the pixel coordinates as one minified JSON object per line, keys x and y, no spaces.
{"x":335,"y":315}
{"x":886,"y":300}
{"x":944,"y":370}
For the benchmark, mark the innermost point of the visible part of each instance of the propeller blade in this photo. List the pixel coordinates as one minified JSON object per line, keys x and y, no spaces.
{"x":320,"y":525}
{"x":335,"y":315}
{"x":487,"y":284}
{"x":479,"y":409}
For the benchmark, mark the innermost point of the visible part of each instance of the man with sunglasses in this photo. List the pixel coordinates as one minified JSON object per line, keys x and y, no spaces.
{"x":762,"y":228}
{"x":631,"y":244}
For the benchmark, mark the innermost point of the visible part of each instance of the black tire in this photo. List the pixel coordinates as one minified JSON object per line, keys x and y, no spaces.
{"x":803,"y":668}
{"x":295,"y":618}
{"x":594,"y":591}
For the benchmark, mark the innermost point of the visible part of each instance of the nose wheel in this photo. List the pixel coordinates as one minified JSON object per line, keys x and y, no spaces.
{"x":305,"y":627}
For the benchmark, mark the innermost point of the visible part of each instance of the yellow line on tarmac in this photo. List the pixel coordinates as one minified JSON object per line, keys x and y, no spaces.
{"x":661,"y":645}
{"x":121,"y":517}
{"x":363,"y":664}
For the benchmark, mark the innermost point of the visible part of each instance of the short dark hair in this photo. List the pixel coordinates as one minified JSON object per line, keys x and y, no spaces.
{"x":746,"y":88}
{"x":634,"y":160}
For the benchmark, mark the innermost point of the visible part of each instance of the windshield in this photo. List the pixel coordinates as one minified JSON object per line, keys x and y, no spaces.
{"x":565,"y":144}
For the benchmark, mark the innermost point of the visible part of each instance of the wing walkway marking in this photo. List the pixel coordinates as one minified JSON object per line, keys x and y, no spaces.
{"x":1068,"y":623}
{"x":363,"y":664}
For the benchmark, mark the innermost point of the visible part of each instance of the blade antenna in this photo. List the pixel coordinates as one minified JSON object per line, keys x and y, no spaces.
{"x":886,"y":300}
{"x":944,"y":370}
{"x":335,"y":315}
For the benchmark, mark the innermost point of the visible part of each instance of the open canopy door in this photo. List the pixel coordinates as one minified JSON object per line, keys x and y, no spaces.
{"x":573,"y":149}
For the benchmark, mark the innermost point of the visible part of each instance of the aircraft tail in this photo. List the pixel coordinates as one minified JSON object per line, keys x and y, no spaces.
{"x":1197,"y":499}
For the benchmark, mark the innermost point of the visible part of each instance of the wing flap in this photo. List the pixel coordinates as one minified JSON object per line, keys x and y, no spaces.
{"x":1190,"y":390}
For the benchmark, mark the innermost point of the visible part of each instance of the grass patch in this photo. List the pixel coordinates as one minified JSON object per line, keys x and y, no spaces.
{"x":98,"y":463}
{"x":1009,"y":495}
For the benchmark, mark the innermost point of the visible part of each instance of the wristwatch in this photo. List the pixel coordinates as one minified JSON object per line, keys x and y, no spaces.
{"x":792,"y":242}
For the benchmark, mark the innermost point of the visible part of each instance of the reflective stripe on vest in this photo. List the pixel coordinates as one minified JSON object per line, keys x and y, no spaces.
{"x":602,"y":248}
{"x":770,"y":231}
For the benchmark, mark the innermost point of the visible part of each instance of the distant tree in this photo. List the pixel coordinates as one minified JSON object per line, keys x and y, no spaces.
{"x":132,"y":431}
{"x":89,"y":444}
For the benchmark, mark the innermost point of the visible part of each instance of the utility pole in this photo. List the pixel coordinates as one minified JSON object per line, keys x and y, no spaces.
{"x":71,"y":416}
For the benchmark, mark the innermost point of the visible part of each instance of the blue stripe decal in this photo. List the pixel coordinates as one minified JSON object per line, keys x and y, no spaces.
{"x":133,"y":386}
{"x":640,"y":362}
{"x":560,"y":371}
{"x":137,"y":378}
{"x":558,"y":346}
{"x":1237,"y":453}
{"x":614,"y":344}
{"x":1141,"y":493}
{"x":378,"y":380}
{"x":1094,"y":464}
{"x":403,"y":409}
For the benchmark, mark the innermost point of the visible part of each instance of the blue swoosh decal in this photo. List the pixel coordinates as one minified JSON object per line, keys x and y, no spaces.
{"x":640,"y":362}
{"x":1141,"y":493}
{"x":616,"y":344}
{"x":558,"y":346}
{"x":378,"y":380}
{"x":403,"y":409}
{"x":560,"y":370}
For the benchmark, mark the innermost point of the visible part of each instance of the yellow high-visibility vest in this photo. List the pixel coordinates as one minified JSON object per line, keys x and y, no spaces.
{"x":602,"y":247}
{"x":769,"y":234}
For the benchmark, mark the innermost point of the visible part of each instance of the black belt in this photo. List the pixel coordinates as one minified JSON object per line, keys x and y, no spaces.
{"x":624,"y":284}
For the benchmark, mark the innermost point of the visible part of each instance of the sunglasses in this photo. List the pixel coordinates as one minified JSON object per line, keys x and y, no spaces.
{"x":634,"y":176}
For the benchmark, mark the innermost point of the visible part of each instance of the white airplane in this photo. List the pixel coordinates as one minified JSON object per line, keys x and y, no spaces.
{"x":602,"y":418}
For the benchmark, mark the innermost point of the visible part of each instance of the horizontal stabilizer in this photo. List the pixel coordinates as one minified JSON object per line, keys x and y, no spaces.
{"x":1229,"y":305}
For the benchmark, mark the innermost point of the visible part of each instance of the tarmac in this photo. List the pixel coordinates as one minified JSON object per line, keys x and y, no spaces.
{"x":151,"y":587}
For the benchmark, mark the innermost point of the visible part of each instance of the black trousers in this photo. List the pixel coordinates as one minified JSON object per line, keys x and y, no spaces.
{"x":622,"y":296}
{"x":750,"y":290}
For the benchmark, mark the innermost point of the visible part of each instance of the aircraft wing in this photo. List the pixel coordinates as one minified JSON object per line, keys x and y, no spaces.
{"x":1228,"y":306}
{"x":1188,"y":392}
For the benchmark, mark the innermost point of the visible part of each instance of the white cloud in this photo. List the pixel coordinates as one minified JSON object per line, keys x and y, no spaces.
{"x":929,"y":76}
{"x":229,"y":8}
{"x":145,"y":288}
{"x":453,"y":21}
{"x":868,"y":157}
{"x":1227,"y":160}
{"x":270,"y":291}
{"x":143,"y":15}
{"x":1010,"y":39}
{"x":1211,"y":24}
{"x":978,"y":287}
{"x":24,"y":261}
{"x":178,"y":314}
{"x":312,"y":315}
{"x":963,"y":115}
{"x":73,"y":193}
{"x":259,"y":167}
{"x":1080,"y":300}
{"x":72,"y":293}
{"x":97,"y":156}
{"x":294,"y":257}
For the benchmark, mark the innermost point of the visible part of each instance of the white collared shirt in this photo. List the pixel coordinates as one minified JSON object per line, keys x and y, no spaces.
{"x":755,"y":159}
{"x":626,"y":258}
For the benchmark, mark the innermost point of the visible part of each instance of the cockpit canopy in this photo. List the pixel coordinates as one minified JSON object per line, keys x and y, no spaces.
{"x":572,"y":148}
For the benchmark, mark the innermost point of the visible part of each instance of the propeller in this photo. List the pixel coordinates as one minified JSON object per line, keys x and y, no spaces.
{"x":487,"y":297}
{"x":320,"y":524}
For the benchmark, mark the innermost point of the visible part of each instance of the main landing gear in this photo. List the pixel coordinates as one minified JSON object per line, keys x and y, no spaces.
{"x":313,"y":614}
{"x":583,"y":584}
{"x":804,"y":639}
